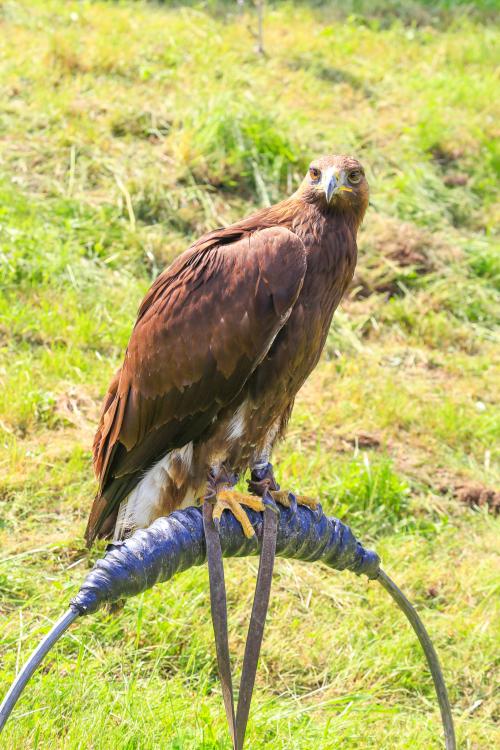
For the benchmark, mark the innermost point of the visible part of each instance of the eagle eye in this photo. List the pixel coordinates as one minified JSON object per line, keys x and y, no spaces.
{"x":354,"y":176}
{"x":314,"y":173}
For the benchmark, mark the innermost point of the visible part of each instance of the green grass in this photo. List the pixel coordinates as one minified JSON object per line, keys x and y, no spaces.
{"x":126,"y":130}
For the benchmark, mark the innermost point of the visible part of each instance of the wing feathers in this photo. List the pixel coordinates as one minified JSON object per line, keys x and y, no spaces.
{"x":204,"y":326}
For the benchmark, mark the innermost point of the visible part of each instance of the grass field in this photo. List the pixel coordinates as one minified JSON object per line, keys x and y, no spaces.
{"x":126,"y":130}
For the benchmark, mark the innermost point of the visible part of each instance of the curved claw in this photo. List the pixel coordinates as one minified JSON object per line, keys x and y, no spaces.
{"x":289,"y":500}
{"x":318,"y":512}
{"x":293,"y":502}
{"x":256,"y":543}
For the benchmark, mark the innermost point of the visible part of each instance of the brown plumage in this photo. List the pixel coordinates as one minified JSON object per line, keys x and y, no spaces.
{"x":224,"y":339}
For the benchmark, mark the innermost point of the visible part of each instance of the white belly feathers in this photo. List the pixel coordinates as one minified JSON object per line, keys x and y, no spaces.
{"x":143,"y":505}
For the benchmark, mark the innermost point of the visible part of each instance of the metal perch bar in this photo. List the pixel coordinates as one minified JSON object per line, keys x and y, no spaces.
{"x":430,"y":655}
{"x":177,"y":542}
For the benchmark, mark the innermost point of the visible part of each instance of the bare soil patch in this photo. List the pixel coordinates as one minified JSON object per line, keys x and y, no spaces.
{"x":391,"y":253}
{"x":476,"y":495}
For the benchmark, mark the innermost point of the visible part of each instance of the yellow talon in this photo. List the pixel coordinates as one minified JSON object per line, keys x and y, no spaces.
{"x":234,"y":501}
{"x":281,"y":497}
{"x":309,"y":502}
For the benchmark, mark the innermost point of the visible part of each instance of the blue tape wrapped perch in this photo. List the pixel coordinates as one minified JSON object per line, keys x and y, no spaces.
{"x":175,"y":543}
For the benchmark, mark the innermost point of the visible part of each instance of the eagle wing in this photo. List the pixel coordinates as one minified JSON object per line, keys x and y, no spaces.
{"x":202,"y":329}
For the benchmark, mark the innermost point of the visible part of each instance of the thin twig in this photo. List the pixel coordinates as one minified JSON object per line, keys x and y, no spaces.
{"x":128,"y":200}
{"x":72,"y":170}
{"x":260,"y":32}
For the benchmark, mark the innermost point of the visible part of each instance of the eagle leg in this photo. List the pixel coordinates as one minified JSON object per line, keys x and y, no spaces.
{"x":224,"y":497}
{"x":262,"y":481}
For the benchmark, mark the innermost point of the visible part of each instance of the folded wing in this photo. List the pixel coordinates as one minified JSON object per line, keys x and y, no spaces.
{"x":202,"y":329}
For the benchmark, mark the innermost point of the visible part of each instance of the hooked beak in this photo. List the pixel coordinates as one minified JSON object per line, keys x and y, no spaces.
{"x":334,"y":182}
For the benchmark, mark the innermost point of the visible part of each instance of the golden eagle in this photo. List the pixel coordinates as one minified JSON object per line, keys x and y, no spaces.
{"x":224,"y":339}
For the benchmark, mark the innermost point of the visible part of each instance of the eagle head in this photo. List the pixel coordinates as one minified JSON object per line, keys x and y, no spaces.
{"x":336,"y":182}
